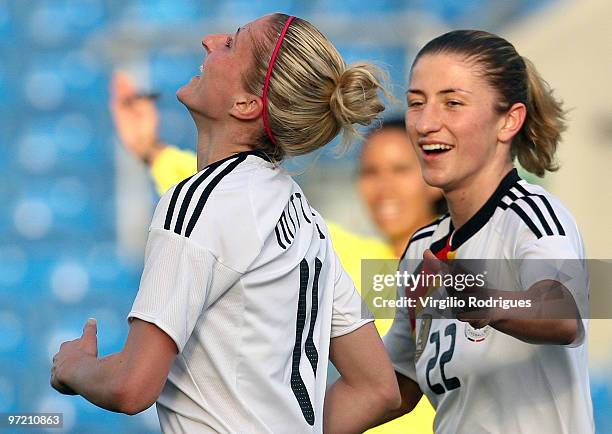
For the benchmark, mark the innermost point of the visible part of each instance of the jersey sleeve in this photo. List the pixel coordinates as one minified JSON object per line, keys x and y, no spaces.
{"x":399,"y":341}
{"x":349,"y":310}
{"x":400,"y":345}
{"x":181,"y":278}
{"x":560,"y":258}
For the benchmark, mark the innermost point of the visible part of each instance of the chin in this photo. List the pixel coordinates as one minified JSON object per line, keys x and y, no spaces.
{"x":184,"y":99}
{"x":181,"y":94}
{"x":434,"y":179}
{"x":389,"y":229}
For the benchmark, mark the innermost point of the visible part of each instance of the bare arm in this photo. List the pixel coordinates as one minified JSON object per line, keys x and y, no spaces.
{"x":367,"y":388}
{"x":551,"y":317}
{"x":129,"y":381}
{"x":556,"y":316}
{"x":411,"y":395}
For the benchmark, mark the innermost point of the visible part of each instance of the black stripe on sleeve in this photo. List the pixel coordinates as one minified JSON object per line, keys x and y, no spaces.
{"x":552,"y":214}
{"x":173,"y":200}
{"x":284,"y":218}
{"x":299,"y":196}
{"x":282,"y":225}
{"x":209,"y":188}
{"x":511,"y":195}
{"x":548,"y":206}
{"x":517,"y":209}
{"x":278,"y":238}
{"x":297,"y":216}
{"x":422,"y":235}
{"x":180,"y":220}
{"x":321,"y":235}
{"x":538,"y":213}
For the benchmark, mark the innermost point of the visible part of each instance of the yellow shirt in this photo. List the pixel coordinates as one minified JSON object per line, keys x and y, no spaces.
{"x":351,"y":249}
{"x":173,"y":165}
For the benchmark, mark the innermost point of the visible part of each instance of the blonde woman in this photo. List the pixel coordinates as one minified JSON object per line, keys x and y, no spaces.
{"x":474,"y":106}
{"x":242,"y":299}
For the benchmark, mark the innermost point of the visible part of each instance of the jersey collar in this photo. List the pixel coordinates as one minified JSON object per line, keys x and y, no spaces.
{"x":255,"y":152}
{"x":478,"y":220}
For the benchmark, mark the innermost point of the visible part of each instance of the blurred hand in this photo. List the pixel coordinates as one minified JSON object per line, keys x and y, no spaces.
{"x":136,"y":118}
{"x":70,"y":354}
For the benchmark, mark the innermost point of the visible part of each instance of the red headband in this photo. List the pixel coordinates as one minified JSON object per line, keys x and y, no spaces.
{"x":269,"y":74}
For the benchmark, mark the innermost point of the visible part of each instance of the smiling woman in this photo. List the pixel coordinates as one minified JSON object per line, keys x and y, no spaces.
{"x":474,"y":105}
{"x":243,"y":300}
{"x":392,"y":187}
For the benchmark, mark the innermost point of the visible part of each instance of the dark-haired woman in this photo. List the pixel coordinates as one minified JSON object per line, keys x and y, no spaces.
{"x":474,"y":107}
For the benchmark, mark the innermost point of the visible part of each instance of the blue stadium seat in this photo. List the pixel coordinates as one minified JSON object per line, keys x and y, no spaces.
{"x":358,"y":7}
{"x":60,"y":23}
{"x":59,"y":77}
{"x":7,"y":84}
{"x":165,"y":11}
{"x":13,"y":327}
{"x":247,"y":10}
{"x":14,"y":264}
{"x":64,"y":209}
{"x":7,"y":22}
{"x":11,"y":376}
{"x":68,"y":141}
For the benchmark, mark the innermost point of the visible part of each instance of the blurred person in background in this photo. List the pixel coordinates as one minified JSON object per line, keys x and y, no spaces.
{"x":234,"y":323}
{"x":389,"y":181}
{"x":474,"y":106}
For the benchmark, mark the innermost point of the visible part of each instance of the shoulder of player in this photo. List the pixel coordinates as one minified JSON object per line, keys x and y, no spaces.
{"x":422,"y":237}
{"x":220,"y":189}
{"x":530,"y":209}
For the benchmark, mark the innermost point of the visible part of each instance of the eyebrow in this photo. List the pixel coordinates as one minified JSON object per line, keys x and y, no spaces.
{"x":442,"y":92}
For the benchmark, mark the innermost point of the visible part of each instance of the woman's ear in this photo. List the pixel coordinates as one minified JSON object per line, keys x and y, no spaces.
{"x":513,"y":121}
{"x":247,"y":107}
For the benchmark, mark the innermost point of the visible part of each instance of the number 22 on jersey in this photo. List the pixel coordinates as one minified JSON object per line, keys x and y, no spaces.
{"x":440,"y":360}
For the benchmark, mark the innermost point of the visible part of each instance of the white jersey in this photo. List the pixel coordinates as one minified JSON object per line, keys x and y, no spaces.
{"x":240,"y":273}
{"x":482,"y":380}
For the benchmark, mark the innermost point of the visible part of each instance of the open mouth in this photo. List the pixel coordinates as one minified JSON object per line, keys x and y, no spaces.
{"x":435,"y":148}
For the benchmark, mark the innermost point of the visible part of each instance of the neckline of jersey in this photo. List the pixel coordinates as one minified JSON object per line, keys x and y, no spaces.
{"x":256,"y":153}
{"x":455,"y":238}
